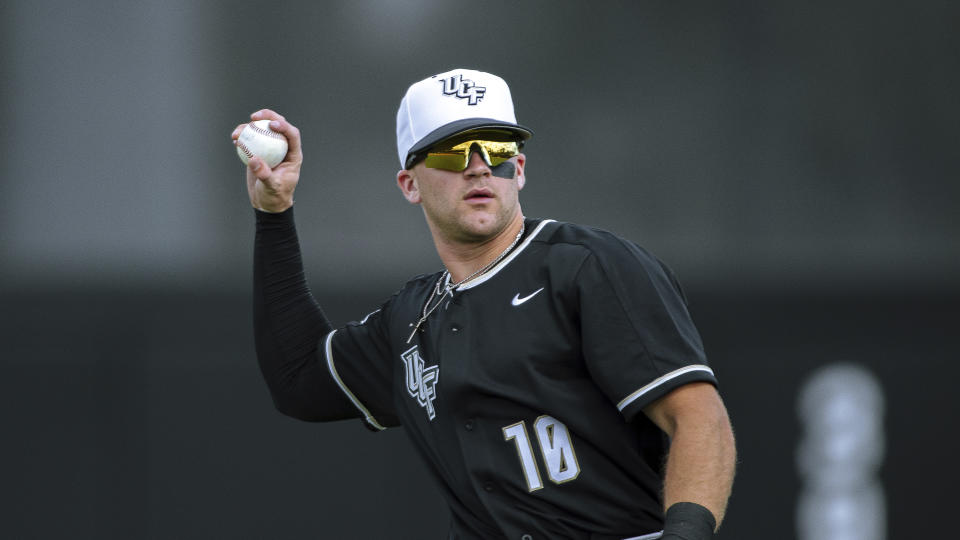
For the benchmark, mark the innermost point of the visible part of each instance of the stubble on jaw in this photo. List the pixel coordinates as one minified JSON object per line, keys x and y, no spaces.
{"x":475,"y":226}
{"x":455,"y":226}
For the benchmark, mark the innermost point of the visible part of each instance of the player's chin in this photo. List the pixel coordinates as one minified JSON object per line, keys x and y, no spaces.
{"x":479,"y":209}
{"x":479,"y":224}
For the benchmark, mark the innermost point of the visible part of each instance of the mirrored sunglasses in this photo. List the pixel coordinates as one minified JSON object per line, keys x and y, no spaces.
{"x":456,"y":156}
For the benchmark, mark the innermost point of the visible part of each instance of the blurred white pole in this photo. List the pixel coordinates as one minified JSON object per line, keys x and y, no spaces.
{"x":841,"y":408}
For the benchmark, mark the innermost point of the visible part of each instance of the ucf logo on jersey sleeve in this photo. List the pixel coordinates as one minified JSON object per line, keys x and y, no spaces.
{"x":421,"y":380}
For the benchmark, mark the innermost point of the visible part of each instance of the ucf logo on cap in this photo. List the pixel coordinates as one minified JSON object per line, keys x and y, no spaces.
{"x":463,"y":89}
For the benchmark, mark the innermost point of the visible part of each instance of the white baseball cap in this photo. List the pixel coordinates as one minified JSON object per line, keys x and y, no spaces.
{"x":453,"y":102}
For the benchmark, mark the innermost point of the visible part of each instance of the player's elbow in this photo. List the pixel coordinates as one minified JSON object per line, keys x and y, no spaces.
{"x":297,"y":408}
{"x":319,"y":407}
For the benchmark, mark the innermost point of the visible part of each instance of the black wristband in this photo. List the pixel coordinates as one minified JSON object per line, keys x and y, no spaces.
{"x":688,"y":521}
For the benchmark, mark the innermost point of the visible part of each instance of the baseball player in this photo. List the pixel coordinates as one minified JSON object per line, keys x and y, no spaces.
{"x":549,"y":374}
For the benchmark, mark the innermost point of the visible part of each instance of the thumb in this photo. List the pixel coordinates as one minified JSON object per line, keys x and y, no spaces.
{"x":259,"y":168}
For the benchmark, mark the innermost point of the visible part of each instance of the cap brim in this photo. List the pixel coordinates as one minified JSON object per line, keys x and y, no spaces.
{"x":464,"y":125}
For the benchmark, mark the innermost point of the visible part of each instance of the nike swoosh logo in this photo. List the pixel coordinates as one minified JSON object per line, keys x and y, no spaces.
{"x":517,"y":300}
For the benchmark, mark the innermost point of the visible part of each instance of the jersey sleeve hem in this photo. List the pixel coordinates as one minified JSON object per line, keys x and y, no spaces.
{"x":660,"y":386}
{"x":651,"y":536}
{"x":367,"y":416}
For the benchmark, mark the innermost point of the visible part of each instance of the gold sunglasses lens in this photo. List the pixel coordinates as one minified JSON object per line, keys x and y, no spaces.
{"x":457,"y":157}
{"x":448,"y":161}
{"x":498,"y":152}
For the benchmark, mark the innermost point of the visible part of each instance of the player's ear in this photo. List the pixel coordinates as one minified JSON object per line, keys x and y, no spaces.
{"x":521,"y":178}
{"x":407,"y":182}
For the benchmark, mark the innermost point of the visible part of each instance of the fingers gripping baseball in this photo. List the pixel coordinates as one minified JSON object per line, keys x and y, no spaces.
{"x":271,"y":189}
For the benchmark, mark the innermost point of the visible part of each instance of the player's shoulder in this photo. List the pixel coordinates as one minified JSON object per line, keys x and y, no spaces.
{"x":596,"y":240}
{"x":415,"y":286}
{"x":612,"y":252}
{"x":421,"y":280}
{"x":410,"y":293}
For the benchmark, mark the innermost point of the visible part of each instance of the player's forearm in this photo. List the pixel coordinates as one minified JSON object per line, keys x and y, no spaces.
{"x":288,"y":325}
{"x":701,"y":462}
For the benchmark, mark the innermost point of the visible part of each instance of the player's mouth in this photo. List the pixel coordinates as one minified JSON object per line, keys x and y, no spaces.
{"x":479,"y":195}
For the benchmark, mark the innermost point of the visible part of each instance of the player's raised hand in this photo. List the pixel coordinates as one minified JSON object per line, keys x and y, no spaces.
{"x":272,"y":190}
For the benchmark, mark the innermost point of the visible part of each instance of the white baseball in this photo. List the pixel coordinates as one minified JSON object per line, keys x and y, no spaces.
{"x":257,"y":139}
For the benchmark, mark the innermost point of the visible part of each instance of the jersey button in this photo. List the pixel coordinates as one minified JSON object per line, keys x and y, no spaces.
{"x":454,"y":328}
{"x":526,"y":537}
{"x":488,"y":487}
{"x":468,"y":425}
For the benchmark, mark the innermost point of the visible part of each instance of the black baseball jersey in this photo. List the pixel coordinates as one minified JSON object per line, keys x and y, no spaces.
{"x":523,"y":390}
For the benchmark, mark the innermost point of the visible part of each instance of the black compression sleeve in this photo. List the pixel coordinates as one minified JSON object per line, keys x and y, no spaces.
{"x":688,"y":521}
{"x":288,"y":326}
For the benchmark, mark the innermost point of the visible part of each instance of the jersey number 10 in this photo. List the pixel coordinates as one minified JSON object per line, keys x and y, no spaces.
{"x":555,"y":447}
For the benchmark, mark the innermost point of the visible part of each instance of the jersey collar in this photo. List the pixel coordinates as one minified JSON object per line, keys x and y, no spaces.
{"x":506,"y":260}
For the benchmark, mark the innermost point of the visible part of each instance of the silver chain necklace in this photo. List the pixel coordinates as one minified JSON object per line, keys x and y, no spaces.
{"x":444,"y":287}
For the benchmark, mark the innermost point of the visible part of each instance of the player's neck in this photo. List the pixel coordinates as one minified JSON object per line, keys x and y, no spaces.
{"x":462,"y":259}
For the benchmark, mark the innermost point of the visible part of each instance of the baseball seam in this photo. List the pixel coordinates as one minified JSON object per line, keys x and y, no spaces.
{"x":266,"y":132}
{"x":243,"y":148}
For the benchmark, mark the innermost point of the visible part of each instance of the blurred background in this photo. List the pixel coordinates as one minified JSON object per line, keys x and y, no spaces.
{"x":795,"y":165}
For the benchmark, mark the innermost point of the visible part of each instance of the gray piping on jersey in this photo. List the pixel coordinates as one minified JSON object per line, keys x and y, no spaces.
{"x":364,"y":321}
{"x":493,"y":271}
{"x":660,"y":380}
{"x":336,"y":376}
{"x":652,"y":536}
